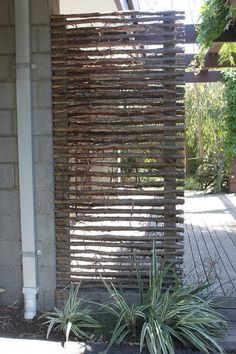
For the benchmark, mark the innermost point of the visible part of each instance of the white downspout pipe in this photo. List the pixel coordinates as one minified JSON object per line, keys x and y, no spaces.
{"x":25,"y":155}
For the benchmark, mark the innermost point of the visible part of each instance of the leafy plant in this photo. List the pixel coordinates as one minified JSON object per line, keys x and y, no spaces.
{"x":216,"y":16}
{"x":72,"y":318}
{"x":211,"y":173}
{"x":160,"y":317}
{"x":229,"y":79}
{"x":207,"y":155}
{"x":192,"y":184}
{"x":227,"y":54}
{"x":127,"y":315}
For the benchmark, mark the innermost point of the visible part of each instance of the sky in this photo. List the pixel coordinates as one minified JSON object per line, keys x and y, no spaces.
{"x":191,"y":7}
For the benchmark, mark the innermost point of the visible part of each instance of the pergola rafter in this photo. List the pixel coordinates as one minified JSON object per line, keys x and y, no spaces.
{"x":212,"y":56}
{"x":210,"y":72}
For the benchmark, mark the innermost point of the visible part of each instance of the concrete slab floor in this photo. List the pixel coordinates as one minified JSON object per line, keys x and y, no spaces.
{"x":28,"y":346}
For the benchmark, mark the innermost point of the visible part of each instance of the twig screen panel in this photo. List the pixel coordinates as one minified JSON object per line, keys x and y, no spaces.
{"x":118,"y":86}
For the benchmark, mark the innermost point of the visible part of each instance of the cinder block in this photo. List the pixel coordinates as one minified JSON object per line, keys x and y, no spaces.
{"x":10,"y":253}
{"x":232,"y":187}
{"x":45,"y":226}
{"x":11,"y":296}
{"x":7,"y":176}
{"x":8,"y":149}
{"x":44,"y":39}
{"x":11,"y":4}
{"x":48,"y":256}
{"x":8,"y":95}
{"x":55,"y":7}
{"x":44,"y":176}
{"x":10,"y":227}
{"x":42,"y":70}
{"x":42,"y":122}
{"x":45,"y":202}
{"x":47,"y":278}
{"x":34,"y":93}
{"x":4,"y":64}
{"x":40,"y":12}
{"x":7,"y":40}
{"x":44,"y":94}
{"x":34,"y":39}
{"x":16,"y":176}
{"x":6,"y":122}
{"x":7,"y":67}
{"x":43,"y":149}
{"x":9,"y":202}
{"x":14,"y":120}
{"x":46,"y":299}
{"x":41,"y":95}
{"x":5,"y":13}
{"x":10,"y":278}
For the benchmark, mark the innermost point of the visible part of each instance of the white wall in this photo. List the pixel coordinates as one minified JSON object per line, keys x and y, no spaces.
{"x":83,"y":6}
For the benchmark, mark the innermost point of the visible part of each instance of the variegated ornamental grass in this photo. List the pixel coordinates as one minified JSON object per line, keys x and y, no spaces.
{"x":73,"y":317}
{"x":162,"y":318}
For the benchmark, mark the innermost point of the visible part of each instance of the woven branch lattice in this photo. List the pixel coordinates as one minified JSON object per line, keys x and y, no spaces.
{"x":118,"y":86}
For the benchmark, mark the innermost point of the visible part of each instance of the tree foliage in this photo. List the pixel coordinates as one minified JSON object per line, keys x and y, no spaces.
{"x":205,"y":118}
{"x":206,"y":132}
{"x":229,"y":79}
{"x":216,"y":16}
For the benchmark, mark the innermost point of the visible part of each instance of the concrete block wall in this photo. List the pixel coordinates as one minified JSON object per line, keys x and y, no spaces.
{"x":10,"y":246}
{"x":43,"y":148}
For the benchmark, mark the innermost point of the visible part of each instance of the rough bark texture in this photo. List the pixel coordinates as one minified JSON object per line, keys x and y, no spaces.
{"x":118,"y":86}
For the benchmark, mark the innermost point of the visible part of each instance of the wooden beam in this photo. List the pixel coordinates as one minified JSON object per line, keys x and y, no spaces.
{"x":133,"y":5}
{"x":124,"y":5}
{"x":215,"y":48}
{"x":203,"y":76}
{"x":121,"y":5}
{"x":211,"y":61}
{"x":190,"y":34}
{"x":227,"y":36}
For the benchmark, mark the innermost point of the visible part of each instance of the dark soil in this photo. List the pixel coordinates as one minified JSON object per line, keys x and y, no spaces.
{"x":13,"y":325}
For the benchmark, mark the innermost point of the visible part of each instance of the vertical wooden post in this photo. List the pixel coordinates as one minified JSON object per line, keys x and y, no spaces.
{"x":63,"y":179}
{"x":170,"y":181}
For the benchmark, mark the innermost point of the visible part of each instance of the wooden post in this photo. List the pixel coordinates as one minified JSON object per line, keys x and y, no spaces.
{"x":62,"y":238}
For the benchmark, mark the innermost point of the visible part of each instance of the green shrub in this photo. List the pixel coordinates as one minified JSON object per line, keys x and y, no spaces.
{"x":160,"y":318}
{"x":73,"y":317}
{"x":191,"y":184}
{"x":216,"y":16}
{"x":229,"y":79}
